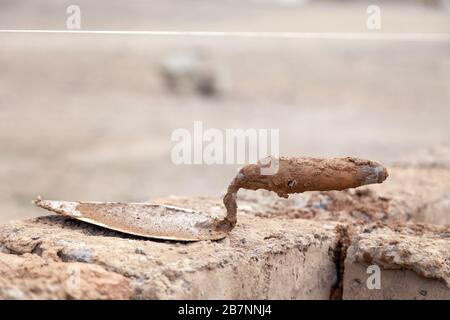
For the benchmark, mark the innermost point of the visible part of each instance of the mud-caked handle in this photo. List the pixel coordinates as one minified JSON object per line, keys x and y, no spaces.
{"x":296,"y":175}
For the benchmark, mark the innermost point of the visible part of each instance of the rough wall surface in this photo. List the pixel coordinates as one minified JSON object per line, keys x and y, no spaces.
{"x":31,"y":277}
{"x":414,"y":259}
{"x":262,"y":259}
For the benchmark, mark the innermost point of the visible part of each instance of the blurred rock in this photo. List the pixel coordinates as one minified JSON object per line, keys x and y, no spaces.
{"x":194,"y":72}
{"x":440,"y":4}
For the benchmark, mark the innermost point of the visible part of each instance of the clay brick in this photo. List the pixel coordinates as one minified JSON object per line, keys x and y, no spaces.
{"x":261,"y":259}
{"x":414,"y":262}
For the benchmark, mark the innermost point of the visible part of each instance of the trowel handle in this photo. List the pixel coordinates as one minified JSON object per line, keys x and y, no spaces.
{"x":295,"y":175}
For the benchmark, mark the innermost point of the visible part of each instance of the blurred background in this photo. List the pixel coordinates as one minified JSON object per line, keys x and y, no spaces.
{"x":90,"y":117}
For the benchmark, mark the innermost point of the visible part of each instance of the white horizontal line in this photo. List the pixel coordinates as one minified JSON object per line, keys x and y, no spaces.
{"x":390,"y":36}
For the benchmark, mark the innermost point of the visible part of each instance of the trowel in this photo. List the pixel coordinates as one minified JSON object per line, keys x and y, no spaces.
{"x":281,"y":175}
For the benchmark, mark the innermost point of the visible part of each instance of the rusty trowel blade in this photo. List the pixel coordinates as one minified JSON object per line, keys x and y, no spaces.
{"x":142,"y":219}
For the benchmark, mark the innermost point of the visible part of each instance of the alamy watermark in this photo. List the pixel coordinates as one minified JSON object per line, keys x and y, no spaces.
{"x":374,"y":19}
{"x":230,"y":146}
{"x":374,"y":280}
{"x":73,"y":21}
{"x":73,"y":282}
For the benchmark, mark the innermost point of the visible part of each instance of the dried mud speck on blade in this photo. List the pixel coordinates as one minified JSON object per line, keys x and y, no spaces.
{"x":294,"y":175}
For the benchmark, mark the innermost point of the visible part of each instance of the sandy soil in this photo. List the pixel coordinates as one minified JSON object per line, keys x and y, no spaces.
{"x":89,"y":118}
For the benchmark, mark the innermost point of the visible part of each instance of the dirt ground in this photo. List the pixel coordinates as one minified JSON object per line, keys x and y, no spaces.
{"x":87,"y":117}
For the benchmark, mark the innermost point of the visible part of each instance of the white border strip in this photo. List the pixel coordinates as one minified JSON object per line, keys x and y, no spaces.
{"x":383,"y":36}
